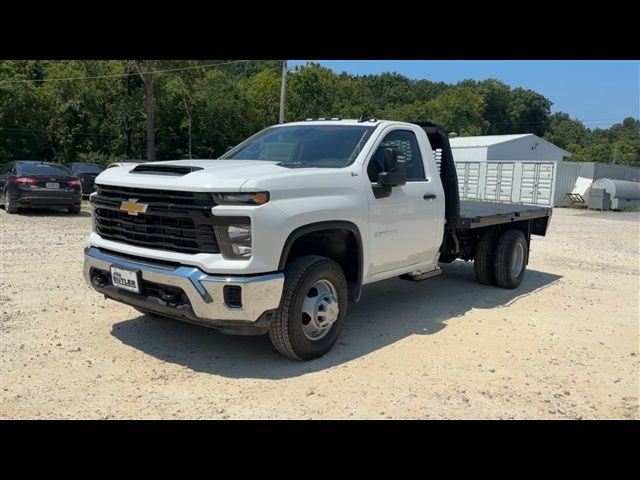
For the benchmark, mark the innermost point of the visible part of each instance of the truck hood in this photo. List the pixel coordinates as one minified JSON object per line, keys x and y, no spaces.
{"x":218,"y":175}
{"x":221,"y":175}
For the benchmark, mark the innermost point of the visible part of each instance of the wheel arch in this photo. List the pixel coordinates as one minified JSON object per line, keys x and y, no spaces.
{"x":298,"y":239}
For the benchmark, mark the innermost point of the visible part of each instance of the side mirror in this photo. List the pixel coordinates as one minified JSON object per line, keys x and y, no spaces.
{"x":394,"y":174}
{"x":390,"y":159}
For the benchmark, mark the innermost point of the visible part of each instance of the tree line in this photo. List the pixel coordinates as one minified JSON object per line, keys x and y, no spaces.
{"x":100,"y":111}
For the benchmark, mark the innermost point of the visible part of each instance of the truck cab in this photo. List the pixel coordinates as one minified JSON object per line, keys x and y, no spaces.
{"x":280,"y":233}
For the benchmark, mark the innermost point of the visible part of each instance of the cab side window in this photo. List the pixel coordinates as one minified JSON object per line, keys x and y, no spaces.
{"x":405,"y":142}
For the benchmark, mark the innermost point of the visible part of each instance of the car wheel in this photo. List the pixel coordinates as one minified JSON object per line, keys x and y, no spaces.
{"x":312,"y":309}
{"x":74,"y":209}
{"x":9,"y":207}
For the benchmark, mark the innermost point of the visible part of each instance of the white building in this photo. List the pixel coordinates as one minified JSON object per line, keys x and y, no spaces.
{"x":513,"y":168}
{"x":522,"y":147}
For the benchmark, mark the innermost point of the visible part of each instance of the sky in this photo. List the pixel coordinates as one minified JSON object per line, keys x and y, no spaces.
{"x":599,"y":93}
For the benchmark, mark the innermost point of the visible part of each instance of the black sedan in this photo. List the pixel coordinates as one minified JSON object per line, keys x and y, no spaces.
{"x":39,"y":184}
{"x":87,"y":173}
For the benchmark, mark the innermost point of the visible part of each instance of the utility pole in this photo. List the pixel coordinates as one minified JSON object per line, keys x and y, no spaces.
{"x":283,"y":90}
{"x":151,"y":124}
{"x":615,"y":153}
{"x":186,"y":100}
{"x":147,"y":79}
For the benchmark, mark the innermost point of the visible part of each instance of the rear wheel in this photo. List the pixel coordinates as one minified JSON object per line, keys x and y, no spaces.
{"x":74,"y":209}
{"x":511,"y":259}
{"x":9,"y":207}
{"x":312,"y":309}
{"x":485,"y":258}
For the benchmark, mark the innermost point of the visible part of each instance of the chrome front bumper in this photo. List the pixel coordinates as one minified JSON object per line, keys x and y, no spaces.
{"x":260,"y":293}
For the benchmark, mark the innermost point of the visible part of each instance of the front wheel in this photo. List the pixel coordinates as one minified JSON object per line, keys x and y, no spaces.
{"x":74,"y":209}
{"x":312,"y":309}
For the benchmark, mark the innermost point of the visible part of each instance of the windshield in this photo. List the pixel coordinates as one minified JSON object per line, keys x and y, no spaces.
{"x":87,"y":168}
{"x":305,"y":145}
{"x":41,"y":169}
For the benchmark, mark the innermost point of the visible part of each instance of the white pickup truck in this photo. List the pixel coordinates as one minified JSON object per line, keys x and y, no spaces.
{"x":281,"y":232}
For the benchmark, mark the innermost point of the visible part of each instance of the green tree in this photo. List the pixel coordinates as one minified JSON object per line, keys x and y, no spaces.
{"x":24,"y":112}
{"x":459,"y":109}
{"x":529,"y":111}
{"x":263,"y":91}
{"x":497,"y":98}
{"x":563,"y":130}
{"x":310,"y":93}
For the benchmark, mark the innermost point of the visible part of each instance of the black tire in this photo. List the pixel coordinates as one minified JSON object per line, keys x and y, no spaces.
{"x":286,"y":329}
{"x":8,"y":206}
{"x":485,"y":258}
{"x":512,"y":252}
{"x":74,"y":209}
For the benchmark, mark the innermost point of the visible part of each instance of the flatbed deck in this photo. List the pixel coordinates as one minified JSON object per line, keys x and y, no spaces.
{"x":483,"y":214}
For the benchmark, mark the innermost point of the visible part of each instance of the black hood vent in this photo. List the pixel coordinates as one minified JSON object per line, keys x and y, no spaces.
{"x":171,"y":170}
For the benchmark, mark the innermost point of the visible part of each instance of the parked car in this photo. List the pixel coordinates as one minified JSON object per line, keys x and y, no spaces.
{"x":87,"y":173}
{"x":26,"y":184}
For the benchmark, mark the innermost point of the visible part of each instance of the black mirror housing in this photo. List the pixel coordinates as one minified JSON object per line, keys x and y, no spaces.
{"x":392,"y":179}
{"x":394,"y":174}
{"x":390,"y":159}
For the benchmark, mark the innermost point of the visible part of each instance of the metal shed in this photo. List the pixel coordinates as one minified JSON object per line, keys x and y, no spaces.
{"x":521,"y":147}
{"x":524,"y":168}
{"x":534,"y":183}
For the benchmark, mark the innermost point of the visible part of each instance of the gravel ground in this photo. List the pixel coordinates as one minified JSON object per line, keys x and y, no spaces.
{"x":563,"y":345}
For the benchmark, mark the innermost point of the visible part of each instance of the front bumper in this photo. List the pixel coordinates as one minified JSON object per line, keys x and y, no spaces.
{"x":189,"y":293}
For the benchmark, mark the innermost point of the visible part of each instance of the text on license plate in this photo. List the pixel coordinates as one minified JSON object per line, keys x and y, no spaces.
{"x":52,"y":185}
{"x":125,"y":279}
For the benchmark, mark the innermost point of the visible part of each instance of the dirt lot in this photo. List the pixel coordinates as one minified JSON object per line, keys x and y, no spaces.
{"x":563,"y":345}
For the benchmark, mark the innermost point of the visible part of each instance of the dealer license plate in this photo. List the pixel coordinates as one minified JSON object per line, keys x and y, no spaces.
{"x":125,"y":279}
{"x":52,"y":185}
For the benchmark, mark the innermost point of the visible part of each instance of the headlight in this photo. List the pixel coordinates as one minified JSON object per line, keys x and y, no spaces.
{"x":234,"y":240}
{"x":251,"y":198}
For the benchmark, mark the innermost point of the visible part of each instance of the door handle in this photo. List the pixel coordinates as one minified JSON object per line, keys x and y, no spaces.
{"x":429,"y":196}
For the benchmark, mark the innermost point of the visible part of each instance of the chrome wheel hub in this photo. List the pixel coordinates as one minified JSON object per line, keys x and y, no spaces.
{"x":517,"y":261}
{"x":320,"y":310}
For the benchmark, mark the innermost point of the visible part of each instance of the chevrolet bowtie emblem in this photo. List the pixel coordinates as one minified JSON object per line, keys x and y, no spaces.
{"x":132,"y":207}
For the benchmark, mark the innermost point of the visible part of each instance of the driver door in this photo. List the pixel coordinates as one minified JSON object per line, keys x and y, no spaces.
{"x":406,"y":228}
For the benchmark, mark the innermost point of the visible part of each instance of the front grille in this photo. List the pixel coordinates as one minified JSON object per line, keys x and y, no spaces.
{"x":149,"y":195}
{"x":173,"y":220}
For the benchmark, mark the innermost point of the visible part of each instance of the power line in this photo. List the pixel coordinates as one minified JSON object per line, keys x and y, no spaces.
{"x":124,"y":74}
